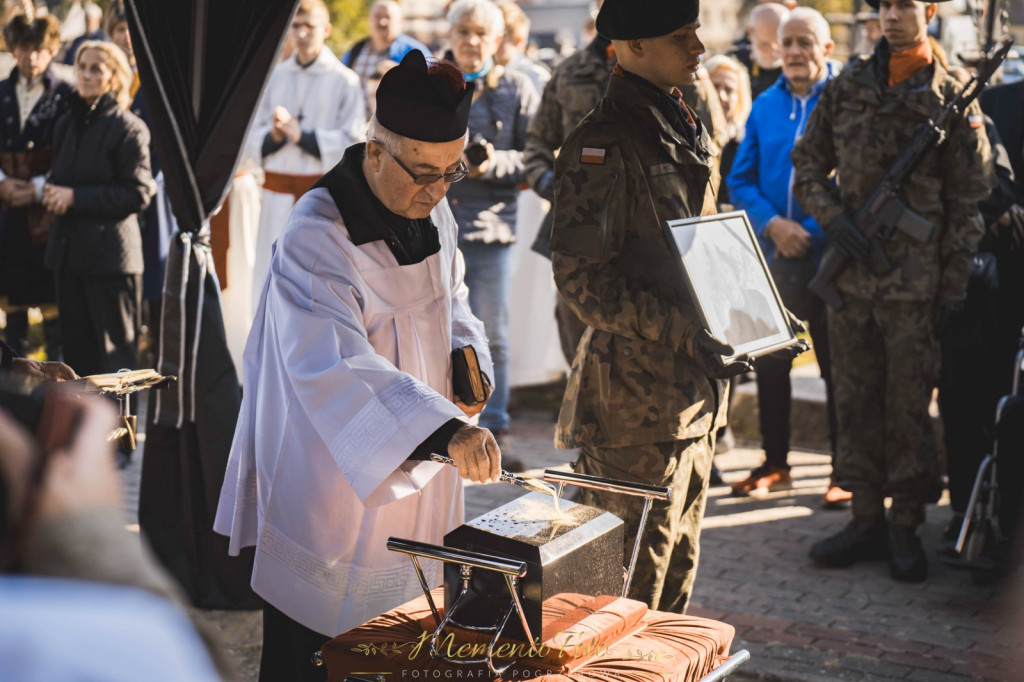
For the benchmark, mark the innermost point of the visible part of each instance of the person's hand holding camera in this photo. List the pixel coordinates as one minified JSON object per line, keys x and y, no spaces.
{"x":478,"y":155}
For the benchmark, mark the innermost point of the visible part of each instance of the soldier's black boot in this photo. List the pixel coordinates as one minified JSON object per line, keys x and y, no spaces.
{"x":907,"y":561}
{"x":861,"y":539}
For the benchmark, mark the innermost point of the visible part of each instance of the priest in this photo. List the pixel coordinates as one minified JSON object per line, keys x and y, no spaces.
{"x":348,"y":379}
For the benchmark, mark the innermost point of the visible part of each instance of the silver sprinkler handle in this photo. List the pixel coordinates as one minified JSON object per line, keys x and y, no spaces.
{"x":503,"y":476}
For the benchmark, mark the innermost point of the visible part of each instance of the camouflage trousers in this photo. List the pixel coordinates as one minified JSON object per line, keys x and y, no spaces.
{"x":667,"y":562}
{"x":885,"y":363}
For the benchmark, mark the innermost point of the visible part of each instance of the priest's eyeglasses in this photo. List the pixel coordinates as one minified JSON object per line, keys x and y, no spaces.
{"x":428,"y":178}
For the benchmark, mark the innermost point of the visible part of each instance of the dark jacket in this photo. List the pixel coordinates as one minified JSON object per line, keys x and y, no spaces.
{"x":26,"y":152}
{"x":102,"y":152}
{"x":1005,"y":104}
{"x":485,"y":207}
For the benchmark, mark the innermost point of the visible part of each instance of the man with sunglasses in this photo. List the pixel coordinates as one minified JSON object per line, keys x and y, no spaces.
{"x":348,"y":379}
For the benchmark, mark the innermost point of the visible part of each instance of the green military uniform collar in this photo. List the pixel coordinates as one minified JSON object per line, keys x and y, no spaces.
{"x":633,"y":90}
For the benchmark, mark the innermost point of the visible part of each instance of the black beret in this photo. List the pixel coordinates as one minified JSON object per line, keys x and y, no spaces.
{"x":635,"y":19}
{"x":874,"y":3}
{"x":426,"y":104}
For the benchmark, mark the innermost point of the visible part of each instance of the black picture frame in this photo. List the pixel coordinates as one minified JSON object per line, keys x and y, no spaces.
{"x":732,"y":288}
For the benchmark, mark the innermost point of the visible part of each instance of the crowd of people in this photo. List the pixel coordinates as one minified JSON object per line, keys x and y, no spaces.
{"x":373,"y":217}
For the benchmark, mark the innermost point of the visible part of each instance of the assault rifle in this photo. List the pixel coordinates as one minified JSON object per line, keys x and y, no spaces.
{"x":884,"y":213}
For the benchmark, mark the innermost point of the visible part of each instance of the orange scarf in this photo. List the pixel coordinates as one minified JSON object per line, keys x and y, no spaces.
{"x":903,"y":65}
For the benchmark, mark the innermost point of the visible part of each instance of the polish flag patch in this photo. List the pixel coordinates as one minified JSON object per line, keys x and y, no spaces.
{"x":594,"y":155}
{"x":975,"y":120}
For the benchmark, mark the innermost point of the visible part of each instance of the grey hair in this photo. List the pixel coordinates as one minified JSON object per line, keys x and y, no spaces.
{"x":387,"y":3}
{"x":769,"y":11}
{"x":486,"y":12}
{"x":389,"y":139}
{"x":814,"y":19}
{"x":381,"y":135}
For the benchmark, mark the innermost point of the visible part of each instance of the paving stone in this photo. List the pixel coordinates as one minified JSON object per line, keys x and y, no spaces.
{"x":933,"y":676}
{"x":873,"y":666}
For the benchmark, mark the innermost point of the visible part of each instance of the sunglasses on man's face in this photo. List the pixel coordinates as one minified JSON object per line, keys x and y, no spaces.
{"x":428,"y":178}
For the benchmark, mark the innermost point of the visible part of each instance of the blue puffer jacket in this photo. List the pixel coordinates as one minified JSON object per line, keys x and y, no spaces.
{"x":761,"y":179}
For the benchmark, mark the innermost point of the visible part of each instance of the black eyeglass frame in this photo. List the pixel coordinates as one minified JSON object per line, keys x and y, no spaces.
{"x":427,"y":178}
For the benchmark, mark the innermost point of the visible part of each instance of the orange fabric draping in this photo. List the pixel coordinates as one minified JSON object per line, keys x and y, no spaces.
{"x":285,"y":183}
{"x":220,"y":240}
{"x":586,"y":639}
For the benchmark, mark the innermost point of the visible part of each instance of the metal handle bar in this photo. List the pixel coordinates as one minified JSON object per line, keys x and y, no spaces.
{"x":458,"y":556}
{"x":609,"y":484}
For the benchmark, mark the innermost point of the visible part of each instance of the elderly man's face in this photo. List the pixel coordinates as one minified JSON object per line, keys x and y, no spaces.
{"x":803,"y":55}
{"x":764,"y":43}
{"x":385,"y":23}
{"x":394,"y":185}
{"x":473,"y":44}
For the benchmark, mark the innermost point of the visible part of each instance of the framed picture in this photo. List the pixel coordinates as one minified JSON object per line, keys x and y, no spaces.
{"x":732,"y":288}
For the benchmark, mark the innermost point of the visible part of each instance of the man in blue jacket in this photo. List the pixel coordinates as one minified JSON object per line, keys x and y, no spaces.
{"x":761,"y":184}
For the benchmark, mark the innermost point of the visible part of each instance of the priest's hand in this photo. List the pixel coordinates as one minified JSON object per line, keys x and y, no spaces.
{"x":476,"y":454}
{"x":473,"y":410}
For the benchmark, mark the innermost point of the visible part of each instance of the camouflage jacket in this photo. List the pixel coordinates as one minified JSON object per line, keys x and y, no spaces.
{"x":624,"y":171}
{"x":575,"y":88}
{"x":858,"y":129}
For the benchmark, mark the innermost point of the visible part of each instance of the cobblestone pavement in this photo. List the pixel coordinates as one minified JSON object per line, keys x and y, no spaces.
{"x":799,"y":622}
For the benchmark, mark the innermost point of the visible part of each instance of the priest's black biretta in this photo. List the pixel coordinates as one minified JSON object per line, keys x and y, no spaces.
{"x":635,"y":19}
{"x":421,"y":103}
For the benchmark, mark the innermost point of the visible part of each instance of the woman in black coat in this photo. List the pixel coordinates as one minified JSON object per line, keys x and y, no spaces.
{"x":99,"y":182}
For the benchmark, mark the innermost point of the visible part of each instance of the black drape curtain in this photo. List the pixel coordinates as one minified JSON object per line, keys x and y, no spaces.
{"x":203,"y":65}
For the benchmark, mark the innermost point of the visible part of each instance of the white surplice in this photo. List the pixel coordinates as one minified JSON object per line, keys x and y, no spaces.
{"x":348,"y":369}
{"x":329,"y":99}
{"x":236,"y":298}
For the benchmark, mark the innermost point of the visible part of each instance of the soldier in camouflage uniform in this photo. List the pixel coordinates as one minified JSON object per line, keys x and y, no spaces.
{"x":884,"y":347}
{"x":646,"y":391}
{"x":576,"y":86}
